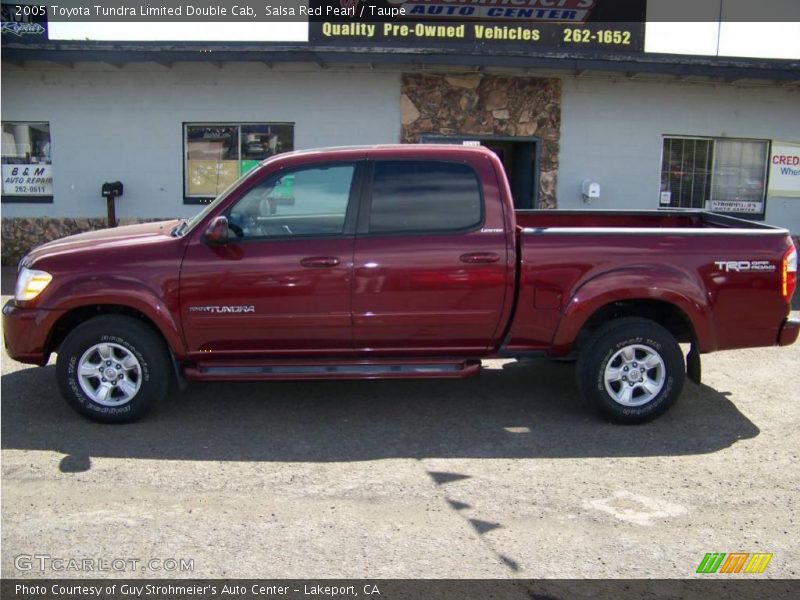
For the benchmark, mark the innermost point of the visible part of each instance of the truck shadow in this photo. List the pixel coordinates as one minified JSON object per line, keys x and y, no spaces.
{"x":528,"y":411}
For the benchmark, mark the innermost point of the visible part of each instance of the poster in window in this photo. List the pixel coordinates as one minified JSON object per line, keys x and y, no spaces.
{"x":784,"y":175}
{"x":212,"y":158}
{"x":26,"y":164}
{"x":210,"y":177}
{"x":262,"y":140}
{"x":217,"y":154}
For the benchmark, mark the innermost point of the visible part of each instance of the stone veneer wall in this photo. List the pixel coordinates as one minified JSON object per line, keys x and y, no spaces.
{"x":21,"y":234}
{"x":487,"y":105}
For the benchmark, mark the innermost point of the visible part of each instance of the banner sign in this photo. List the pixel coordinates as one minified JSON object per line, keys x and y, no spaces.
{"x":784,"y":173}
{"x":605,"y":27}
{"x":23,"y":24}
{"x":592,"y":27}
{"x":486,"y":25}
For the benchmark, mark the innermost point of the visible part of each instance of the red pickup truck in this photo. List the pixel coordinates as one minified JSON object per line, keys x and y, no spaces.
{"x":396,"y":261}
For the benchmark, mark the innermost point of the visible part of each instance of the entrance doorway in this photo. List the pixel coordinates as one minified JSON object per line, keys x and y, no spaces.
{"x":520,"y":157}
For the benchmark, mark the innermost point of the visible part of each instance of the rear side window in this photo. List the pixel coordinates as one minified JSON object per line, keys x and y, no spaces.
{"x":424,"y":196}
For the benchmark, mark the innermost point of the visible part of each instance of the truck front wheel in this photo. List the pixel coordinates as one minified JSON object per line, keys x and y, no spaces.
{"x":632,"y":370}
{"x":112,"y":368}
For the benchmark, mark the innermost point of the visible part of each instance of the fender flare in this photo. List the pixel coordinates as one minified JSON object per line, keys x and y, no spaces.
{"x":126,"y":293}
{"x":637,"y":282}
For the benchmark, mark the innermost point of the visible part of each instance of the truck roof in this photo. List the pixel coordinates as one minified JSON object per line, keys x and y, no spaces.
{"x":377,"y":150}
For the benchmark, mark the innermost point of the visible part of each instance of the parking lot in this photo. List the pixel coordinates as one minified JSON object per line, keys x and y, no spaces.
{"x":504,"y":475}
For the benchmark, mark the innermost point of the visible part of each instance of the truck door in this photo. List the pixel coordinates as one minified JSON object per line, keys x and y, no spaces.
{"x":281,"y":284}
{"x":431,"y":264}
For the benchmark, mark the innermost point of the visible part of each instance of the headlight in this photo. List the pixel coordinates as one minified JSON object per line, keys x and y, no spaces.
{"x":31,"y":283}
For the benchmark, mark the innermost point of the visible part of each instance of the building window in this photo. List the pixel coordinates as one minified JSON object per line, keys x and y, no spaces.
{"x":723,"y":175}
{"x":27,"y":168}
{"x":217,"y":154}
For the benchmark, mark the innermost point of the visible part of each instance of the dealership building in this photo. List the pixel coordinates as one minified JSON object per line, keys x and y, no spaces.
{"x":657,"y":114}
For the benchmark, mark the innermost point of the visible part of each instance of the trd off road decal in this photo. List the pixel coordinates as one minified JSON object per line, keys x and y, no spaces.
{"x":745,"y":266}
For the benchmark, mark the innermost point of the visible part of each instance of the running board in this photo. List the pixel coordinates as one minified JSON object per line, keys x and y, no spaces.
{"x":372,"y":369}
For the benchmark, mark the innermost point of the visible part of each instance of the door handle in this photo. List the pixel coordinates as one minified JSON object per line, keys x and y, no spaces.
{"x":320,"y":262}
{"x":474,"y":258}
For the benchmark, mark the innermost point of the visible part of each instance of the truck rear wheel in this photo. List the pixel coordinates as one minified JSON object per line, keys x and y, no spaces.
{"x":632,"y":370}
{"x":112,"y":368}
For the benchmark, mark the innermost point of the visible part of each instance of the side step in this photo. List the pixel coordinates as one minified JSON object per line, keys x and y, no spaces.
{"x":359,"y":369}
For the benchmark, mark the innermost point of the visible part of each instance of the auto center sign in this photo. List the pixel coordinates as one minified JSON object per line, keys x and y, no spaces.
{"x":784,"y":173}
{"x":487,"y":26}
{"x":541,"y":10}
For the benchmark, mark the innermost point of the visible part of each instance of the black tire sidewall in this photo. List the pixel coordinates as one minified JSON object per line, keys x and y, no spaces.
{"x":132,"y":335}
{"x":606,"y":344}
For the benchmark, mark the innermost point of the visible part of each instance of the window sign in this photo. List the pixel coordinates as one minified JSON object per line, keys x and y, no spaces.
{"x":723,"y":175}
{"x":26,"y":163}
{"x":217,"y":154}
{"x":784,"y":175}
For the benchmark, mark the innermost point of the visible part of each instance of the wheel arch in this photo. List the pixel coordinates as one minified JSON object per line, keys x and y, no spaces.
{"x":664,"y":313}
{"x":663,"y":296}
{"x":77,"y":315}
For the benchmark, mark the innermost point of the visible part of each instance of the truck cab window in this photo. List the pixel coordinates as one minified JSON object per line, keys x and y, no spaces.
{"x":419,"y":196}
{"x":310,"y":201}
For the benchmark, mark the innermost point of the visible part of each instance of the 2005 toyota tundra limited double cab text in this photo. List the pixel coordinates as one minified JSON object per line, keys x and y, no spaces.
{"x":396,"y":261}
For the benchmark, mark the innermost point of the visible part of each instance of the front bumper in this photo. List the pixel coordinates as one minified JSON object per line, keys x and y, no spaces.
{"x":26,"y":332}
{"x":790,"y":329}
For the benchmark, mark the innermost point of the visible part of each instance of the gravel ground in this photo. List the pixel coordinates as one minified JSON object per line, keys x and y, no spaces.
{"x":505,"y":475}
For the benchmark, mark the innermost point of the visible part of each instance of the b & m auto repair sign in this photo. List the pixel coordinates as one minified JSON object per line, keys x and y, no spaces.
{"x":784,"y":169}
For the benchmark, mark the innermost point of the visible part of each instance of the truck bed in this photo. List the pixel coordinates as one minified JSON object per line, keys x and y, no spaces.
{"x":637,"y":221}
{"x":567,"y":257}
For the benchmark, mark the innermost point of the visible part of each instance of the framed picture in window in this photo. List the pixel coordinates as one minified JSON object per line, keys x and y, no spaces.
{"x":217,"y":154}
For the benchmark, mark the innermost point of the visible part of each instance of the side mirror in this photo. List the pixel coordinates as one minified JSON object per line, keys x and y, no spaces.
{"x":217,"y":231}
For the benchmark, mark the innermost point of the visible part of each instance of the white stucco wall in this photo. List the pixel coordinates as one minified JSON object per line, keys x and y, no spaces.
{"x":612,"y":132}
{"x":109,"y":123}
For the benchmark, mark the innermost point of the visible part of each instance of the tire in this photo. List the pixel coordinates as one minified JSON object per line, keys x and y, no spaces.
{"x":113,"y":368}
{"x":632,"y":370}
